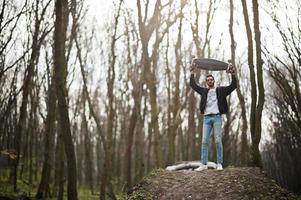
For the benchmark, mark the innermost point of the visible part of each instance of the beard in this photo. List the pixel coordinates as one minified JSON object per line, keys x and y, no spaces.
{"x":210,"y":84}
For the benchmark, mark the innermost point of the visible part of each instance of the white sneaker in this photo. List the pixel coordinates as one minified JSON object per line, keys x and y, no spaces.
{"x":201,"y":168}
{"x":219,"y":166}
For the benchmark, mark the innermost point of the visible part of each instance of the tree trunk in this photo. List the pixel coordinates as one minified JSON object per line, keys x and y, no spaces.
{"x":149,"y":75}
{"x":135,"y":115}
{"x":43,"y":189}
{"x":252,"y":78}
{"x":101,"y":137}
{"x":139,"y":151}
{"x":80,"y":146}
{"x":192,"y":152}
{"x":136,"y":80}
{"x":226,"y":136}
{"x":88,"y":153}
{"x":149,"y":149}
{"x":59,"y":173}
{"x":59,"y":163}
{"x":26,"y":89}
{"x":129,"y":144}
{"x":60,"y":74}
{"x":99,"y":153}
{"x":244,"y":143}
{"x":140,"y":145}
{"x":256,"y":154}
{"x":176,"y":99}
{"x":169,"y":94}
{"x":107,"y":165}
{"x":31,"y":144}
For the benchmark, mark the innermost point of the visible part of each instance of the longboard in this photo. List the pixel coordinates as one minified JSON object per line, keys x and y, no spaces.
{"x":210,"y":64}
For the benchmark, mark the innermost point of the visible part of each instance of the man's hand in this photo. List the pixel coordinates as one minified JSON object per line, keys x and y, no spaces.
{"x":231,"y":69}
{"x":193,"y":68}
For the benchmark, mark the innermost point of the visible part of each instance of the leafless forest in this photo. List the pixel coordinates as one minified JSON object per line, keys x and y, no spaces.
{"x":95,"y":107}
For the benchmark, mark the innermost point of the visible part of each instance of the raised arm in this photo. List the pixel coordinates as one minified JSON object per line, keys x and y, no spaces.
{"x":232,"y":86}
{"x":194,"y":85}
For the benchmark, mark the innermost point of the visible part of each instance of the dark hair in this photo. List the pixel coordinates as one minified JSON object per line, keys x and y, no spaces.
{"x":209,"y":75}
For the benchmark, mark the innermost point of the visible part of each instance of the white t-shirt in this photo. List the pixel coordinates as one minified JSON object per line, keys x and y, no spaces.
{"x":211,"y":105}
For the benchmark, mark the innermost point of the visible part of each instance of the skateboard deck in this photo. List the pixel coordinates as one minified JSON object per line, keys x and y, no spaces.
{"x":210,"y":64}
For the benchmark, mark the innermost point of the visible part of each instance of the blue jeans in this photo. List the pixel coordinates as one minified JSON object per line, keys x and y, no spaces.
{"x":215,"y":122}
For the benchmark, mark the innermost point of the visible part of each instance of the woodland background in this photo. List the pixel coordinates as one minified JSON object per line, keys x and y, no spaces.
{"x":89,"y":108}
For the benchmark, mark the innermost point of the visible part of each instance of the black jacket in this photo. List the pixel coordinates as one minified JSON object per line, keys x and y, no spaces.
{"x":221,"y":93}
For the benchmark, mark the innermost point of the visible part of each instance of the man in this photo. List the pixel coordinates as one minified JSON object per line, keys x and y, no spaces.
{"x":213,"y":104}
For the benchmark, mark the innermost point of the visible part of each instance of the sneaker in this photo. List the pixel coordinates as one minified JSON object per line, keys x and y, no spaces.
{"x":219,"y":166}
{"x":201,"y":167}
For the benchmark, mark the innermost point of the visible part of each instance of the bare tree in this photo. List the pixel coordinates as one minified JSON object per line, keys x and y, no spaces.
{"x":8,"y":25}
{"x":146,"y":30}
{"x":148,"y":27}
{"x":43,"y":189}
{"x":244,"y":129}
{"x":261,"y":96}
{"x":106,"y":176}
{"x":134,"y":74}
{"x":176,"y":107}
{"x":256,"y":88}
{"x":280,"y":158}
{"x":88,"y":152}
{"x":37,"y":40}
{"x":59,"y":170}
{"x":60,"y":74}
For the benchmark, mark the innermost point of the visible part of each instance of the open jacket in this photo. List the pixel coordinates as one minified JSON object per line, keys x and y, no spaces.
{"x":221,"y":94}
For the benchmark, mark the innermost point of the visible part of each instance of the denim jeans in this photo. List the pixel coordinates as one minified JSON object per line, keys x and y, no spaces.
{"x":215,"y":122}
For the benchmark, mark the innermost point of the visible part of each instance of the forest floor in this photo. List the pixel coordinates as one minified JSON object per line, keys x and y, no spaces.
{"x":229,"y":184}
{"x":27,"y":192}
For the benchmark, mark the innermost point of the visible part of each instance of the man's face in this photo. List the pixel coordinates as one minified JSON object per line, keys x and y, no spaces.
{"x":210,"y":81}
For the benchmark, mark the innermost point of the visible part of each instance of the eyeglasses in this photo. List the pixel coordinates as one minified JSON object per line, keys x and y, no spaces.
{"x":210,"y":79}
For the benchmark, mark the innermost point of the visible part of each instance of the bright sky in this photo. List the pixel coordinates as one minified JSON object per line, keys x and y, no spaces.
{"x":102,"y":12}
